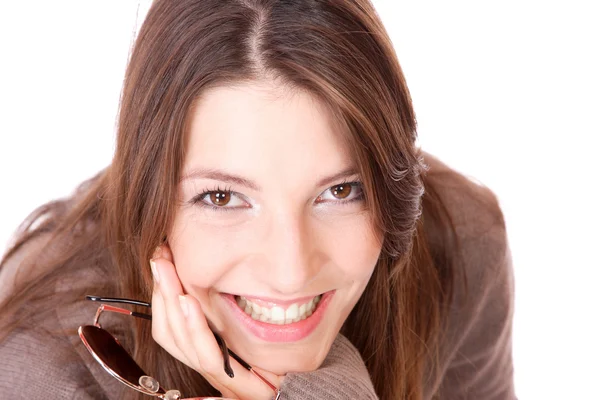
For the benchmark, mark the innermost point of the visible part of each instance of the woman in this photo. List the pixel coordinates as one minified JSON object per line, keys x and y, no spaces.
{"x":266,"y":166}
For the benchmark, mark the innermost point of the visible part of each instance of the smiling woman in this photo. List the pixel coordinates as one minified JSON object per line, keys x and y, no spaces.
{"x":295,"y":227}
{"x":267,"y":197}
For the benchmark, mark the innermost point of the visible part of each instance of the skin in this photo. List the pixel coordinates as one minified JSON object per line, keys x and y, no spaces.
{"x":287,"y":235}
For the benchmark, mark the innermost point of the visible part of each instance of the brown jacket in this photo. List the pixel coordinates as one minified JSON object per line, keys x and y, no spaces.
{"x":476,"y":353}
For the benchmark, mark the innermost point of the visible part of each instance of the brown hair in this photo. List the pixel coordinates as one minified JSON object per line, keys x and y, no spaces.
{"x":336,"y":50}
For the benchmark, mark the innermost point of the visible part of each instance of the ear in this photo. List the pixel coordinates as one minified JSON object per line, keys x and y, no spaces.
{"x":165,"y":251}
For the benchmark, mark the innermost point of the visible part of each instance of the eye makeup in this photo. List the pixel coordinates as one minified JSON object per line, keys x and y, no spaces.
{"x":228,"y":194}
{"x":199,"y":200}
{"x":355,"y":185}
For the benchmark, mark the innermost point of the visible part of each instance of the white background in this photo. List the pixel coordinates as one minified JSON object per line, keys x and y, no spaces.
{"x":507,"y":92}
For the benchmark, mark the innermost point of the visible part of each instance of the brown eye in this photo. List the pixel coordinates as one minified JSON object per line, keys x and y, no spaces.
{"x":341,"y":191}
{"x":220,"y":198}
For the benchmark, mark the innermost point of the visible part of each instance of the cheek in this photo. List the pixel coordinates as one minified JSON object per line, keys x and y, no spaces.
{"x":203,"y":253}
{"x":359,"y":257}
{"x":353,"y":247}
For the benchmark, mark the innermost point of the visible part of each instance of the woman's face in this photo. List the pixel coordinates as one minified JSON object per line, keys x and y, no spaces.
{"x":271,"y":235}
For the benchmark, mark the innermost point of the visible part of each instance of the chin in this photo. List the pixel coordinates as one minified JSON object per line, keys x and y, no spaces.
{"x":281,"y":363}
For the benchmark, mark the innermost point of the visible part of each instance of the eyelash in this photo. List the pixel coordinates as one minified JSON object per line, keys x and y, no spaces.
{"x":198,"y":199}
{"x":353,"y":184}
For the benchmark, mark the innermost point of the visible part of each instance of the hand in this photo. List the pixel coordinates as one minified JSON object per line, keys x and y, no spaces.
{"x":181,"y":328}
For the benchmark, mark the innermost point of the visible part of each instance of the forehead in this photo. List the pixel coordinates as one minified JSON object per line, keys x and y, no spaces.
{"x":258,"y":126}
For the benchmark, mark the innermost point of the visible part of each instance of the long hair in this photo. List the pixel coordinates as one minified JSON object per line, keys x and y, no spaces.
{"x":338,"y":51}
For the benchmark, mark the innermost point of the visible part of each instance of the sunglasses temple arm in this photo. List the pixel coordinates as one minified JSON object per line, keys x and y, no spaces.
{"x":118,"y":300}
{"x":249,"y":368}
{"x":225,"y":352}
{"x":109,"y":308}
{"x":141,"y":315}
{"x":266,"y":382}
{"x":239,"y":359}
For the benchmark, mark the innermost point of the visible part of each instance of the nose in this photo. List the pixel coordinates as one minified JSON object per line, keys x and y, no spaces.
{"x":293,"y":258}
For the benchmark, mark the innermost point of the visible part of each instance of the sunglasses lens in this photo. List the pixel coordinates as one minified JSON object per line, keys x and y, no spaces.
{"x":111,"y":354}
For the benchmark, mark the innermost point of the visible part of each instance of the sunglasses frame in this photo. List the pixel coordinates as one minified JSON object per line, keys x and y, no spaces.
{"x":159,"y":392}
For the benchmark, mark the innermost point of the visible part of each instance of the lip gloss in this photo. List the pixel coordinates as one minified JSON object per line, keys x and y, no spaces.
{"x":292,"y":332}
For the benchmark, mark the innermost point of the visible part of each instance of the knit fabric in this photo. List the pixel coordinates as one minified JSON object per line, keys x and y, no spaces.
{"x":342,"y":375}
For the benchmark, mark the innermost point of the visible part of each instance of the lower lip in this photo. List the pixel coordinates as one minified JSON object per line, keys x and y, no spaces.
{"x":281,"y":333}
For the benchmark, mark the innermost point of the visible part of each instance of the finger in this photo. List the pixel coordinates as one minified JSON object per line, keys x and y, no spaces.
{"x":207,"y":353}
{"x":244,"y":385}
{"x":163,"y":335}
{"x":170,"y":290}
{"x":177,"y":333}
{"x":274,"y":379}
{"x":161,"y":330}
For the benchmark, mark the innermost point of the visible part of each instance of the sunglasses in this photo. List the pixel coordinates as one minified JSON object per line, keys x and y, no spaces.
{"x":107,"y":350}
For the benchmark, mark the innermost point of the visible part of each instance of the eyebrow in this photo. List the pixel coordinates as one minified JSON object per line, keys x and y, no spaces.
{"x":223,"y":176}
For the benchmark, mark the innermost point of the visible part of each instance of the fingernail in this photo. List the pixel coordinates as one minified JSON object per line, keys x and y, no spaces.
{"x":157,"y":252}
{"x":154,"y":271}
{"x":184,"y":305}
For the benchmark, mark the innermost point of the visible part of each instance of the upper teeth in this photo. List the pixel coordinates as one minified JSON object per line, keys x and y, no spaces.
{"x":277,"y":315}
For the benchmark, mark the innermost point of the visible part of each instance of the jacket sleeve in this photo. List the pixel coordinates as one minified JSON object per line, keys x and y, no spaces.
{"x":37,"y":362}
{"x":38,"y":365}
{"x":342,"y":376}
{"x":479,"y":360}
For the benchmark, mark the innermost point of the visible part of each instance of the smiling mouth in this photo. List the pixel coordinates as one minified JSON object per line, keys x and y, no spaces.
{"x":276,"y":314}
{"x":267,"y":319}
